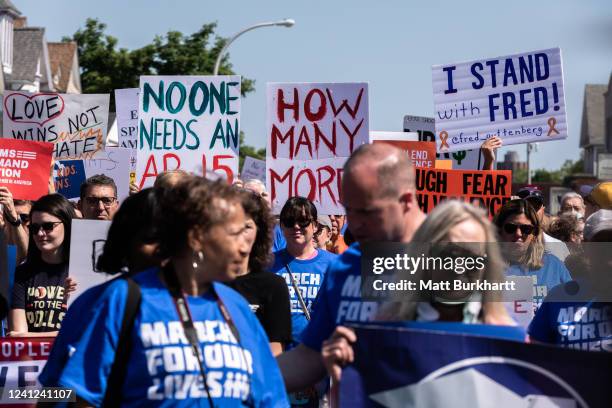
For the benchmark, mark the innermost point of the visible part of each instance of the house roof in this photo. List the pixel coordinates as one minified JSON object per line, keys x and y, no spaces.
{"x":8,"y":6}
{"x":27,"y":50}
{"x":593,"y":118}
{"x":61,"y":57}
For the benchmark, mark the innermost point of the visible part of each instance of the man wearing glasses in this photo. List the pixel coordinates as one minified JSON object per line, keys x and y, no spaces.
{"x":98,"y":198}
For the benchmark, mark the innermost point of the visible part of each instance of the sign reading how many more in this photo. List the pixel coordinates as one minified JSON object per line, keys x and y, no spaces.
{"x":76,"y":124}
{"x":190,"y":123}
{"x":518,"y":97}
{"x":312,"y":129}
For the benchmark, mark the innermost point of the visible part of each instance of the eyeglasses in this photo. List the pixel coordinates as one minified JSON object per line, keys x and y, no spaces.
{"x":511,"y":228}
{"x":94,"y":201}
{"x":302,"y":223}
{"x":46,"y":226}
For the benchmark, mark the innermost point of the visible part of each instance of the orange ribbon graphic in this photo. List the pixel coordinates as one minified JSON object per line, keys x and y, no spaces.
{"x":443,"y":138}
{"x":551,"y":126}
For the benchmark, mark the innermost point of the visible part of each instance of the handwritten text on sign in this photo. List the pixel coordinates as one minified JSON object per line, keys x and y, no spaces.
{"x":518,"y":97}
{"x":486,"y":189}
{"x":190,"y":123}
{"x":76,"y":124}
{"x":312,"y":130}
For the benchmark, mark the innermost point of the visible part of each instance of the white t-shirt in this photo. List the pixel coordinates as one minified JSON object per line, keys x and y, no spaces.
{"x":556,"y":247}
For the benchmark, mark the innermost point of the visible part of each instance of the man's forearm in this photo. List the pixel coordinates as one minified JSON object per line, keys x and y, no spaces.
{"x":301,"y":367}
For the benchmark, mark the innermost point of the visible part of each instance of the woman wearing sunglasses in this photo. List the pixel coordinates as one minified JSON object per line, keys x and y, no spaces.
{"x":40,"y":291}
{"x":523,"y":247}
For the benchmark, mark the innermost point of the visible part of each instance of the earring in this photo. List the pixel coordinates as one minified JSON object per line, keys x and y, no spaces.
{"x":200,"y":258}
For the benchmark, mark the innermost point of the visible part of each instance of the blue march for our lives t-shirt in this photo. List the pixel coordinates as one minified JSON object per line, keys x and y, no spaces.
{"x":582,"y":325}
{"x":551,"y":274}
{"x":162,"y":370}
{"x":279,"y":242}
{"x":339,"y":299}
{"x":308,"y":275}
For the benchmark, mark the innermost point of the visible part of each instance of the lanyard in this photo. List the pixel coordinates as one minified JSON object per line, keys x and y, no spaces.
{"x":182,"y":308}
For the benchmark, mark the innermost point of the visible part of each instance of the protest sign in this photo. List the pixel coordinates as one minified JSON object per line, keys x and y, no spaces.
{"x":422,"y":154}
{"x":403,"y":367}
{"x":86,"y":244}
{"x":74,"y":123}
{"x":114,"y":162}
{"x":253,"y":169}
{"x":126,"y":105}
{"x":517,"y":97}
{"x":21,"y":361}
{"x":190,"y":123}
{"x":519,"y":302}
{"x":425,"y":128}
{"x":486,"y":189}
{"x":24,"y":168}
{"x":312,"y":129}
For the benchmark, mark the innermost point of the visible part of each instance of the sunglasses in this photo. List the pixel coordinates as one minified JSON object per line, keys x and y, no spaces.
{"x":302,"y":223}
{"x":511,"y":228}
{"x":46,"y":226}
{"x":106,"y":201}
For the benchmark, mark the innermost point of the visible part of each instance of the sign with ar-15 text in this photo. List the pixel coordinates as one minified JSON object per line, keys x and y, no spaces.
{"x":519,"y":98}
{"x":190,"y":123}
{"x":75,"y":124}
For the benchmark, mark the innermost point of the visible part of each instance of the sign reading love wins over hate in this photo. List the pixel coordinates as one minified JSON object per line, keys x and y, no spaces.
{"x":75,"y":124}
{"x":190,"y":123}
{"x":519,"y":98}
{"x":312,"y":129}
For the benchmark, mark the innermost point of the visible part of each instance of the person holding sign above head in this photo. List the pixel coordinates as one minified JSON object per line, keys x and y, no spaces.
{"x":41,"y":286}
{"x":15,"y":215}
{"x":189,"y":341}
{"x":521,"y":232}
{"x":98,"y":198}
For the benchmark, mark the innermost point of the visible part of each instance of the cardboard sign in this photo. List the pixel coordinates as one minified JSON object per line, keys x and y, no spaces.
{"x":312,"y":129}
{"x":428,"y":367}
{"x":21,"y":362}
{"x":422,"y":154}
{"x":253,"y":169}
{"x":519,"y":302}
{"x":74,"y":123}
{"x":486,"y":189}
{"x":24,"y":168}
{"x":519,"y":98}
{"x":114,"y":162}
{"x":190,"y":123}
{"x":86,"y":244}
{"x":425,"y":128}
{"x":126,"y":104}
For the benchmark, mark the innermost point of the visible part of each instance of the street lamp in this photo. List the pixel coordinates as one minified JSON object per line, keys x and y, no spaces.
{"x":288,"y":22}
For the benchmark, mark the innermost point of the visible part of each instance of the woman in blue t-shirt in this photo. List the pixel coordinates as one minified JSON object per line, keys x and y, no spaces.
{"x":522,"y":245}
{"x":193,"y":342}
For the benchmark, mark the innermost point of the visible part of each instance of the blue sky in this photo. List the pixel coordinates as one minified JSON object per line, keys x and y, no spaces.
{"x":390,"y":44}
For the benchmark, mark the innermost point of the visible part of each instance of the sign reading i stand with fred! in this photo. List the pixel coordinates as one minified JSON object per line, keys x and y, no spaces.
{"x":519,"y":98}
{"x":190,"y":123}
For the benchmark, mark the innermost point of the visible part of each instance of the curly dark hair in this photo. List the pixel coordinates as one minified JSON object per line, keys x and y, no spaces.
{"x":192,"y":203}
{"x":256,"y":208}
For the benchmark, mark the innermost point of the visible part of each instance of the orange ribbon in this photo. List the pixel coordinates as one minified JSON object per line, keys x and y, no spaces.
{"x":551,"y":126}
{"x":443,"y":138}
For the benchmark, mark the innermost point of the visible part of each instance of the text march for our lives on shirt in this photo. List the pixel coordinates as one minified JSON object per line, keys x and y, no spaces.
{"x":308,"y":275}
{"x":162,"y":369}
{"x":339,"y":299}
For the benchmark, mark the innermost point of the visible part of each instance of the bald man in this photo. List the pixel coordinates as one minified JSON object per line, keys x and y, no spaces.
{"x":378,"y":193}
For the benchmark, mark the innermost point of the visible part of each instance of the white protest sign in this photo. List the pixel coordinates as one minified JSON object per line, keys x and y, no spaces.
{"x":519,"y":98}
{"x":519,"y":302}
{"x":253,"y":169}
{"x":312,"y":129}
{"x":126,"y":105}
{"x":87,"y":240}
{"x":75,"y":124}
{"x":425,"y":127}
{"x":190,"y":123}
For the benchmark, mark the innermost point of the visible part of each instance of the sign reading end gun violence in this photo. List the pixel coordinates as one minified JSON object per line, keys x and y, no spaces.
{"x":486,"y":189}
{"x":312,"y":129}
{"x":190,"y":123}
{"x":519,"y":98}
{"x":75,"y":124}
